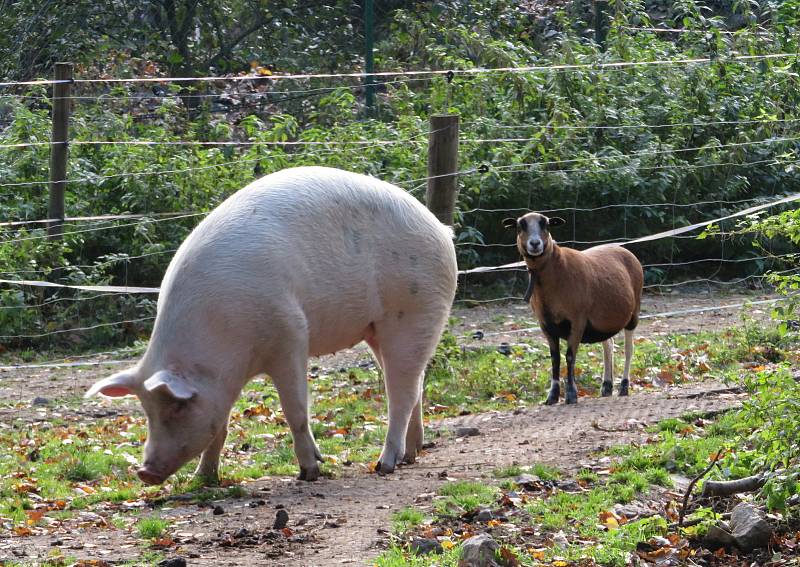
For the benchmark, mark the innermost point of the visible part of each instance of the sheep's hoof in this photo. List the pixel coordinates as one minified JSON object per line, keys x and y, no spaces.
{"x":607,"y":389}
{"x":383,"y":468}
{"x":571,"y":398}
{"x":308,"y":474}
{"x":551,"y":400}
{"x":623,"y":389}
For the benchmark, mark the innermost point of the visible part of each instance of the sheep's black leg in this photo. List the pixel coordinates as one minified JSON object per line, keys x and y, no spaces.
{"x":555,"y":359}
{"x":571,"y":395}
{"x":623,"y":385}
{"x":608,"y":367}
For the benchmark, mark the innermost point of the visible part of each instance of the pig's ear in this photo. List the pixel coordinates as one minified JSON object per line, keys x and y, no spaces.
{"x":176,"y":386}
{"x":115,"y":386}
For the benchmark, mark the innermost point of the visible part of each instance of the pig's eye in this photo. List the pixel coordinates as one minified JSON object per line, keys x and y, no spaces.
{"x":180,"y":405}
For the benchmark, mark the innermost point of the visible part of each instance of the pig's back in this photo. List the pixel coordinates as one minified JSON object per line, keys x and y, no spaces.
{"x":336,"y":245}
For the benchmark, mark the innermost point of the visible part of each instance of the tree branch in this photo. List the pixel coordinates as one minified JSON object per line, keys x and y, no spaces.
{"x":728,"y":487}
{"x":691,"y":486}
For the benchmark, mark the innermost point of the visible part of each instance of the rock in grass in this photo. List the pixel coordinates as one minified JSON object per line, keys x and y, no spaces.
{"x":749,"y":528}
{"x":172,"y":562}
{"x":718,"y":537}
{"x":529,"y":481}
{"x":424,"y":546}
{"x":467,"y":432}
{"x":479,"y":551}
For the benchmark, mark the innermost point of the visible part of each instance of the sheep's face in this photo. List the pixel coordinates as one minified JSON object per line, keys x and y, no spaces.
{"x":533,"y":233}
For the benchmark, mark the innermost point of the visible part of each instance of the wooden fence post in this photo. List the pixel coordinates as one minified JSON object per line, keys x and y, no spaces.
{"x":59,"y":150}
{"x":443,"y":167}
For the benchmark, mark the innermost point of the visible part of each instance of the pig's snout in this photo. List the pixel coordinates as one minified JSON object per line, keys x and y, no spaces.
{"x":148,"y":476}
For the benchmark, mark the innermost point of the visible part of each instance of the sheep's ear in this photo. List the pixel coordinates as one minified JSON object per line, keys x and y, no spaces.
{"x":509,"y":222}
{"x":172,"y":384}
{"x":555,"y":221}
{"x":115,"y":386}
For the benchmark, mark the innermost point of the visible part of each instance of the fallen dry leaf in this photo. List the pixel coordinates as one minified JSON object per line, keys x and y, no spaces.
{"x":508,"y":557}
{"x":537,"y":554}
{"x":22,"y":531}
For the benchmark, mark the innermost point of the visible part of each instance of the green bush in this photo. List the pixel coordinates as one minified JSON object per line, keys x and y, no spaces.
{"x":717,"y":132}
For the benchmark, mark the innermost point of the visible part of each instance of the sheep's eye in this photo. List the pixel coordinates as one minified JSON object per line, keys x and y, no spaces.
{"x":543,"y":224}
{"x":522,"y":225}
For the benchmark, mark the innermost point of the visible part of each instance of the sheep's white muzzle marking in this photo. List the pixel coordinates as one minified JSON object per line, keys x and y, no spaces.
{"x":534,"y":247}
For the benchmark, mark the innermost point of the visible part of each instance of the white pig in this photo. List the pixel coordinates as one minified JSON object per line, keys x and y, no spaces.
{"x":303,"y":262}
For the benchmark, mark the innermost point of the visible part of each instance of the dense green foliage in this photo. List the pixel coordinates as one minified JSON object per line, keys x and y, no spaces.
{"x":720,"y":132}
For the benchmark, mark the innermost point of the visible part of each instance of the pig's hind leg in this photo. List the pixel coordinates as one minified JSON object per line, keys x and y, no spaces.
{"x":289,"y":374}
{"x":405,"y":347}
{"x":414,"y":434}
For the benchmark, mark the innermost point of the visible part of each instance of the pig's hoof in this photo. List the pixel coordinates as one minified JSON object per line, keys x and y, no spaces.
{"x":383,"y":468}
{"x":607,"y":388}
{"x":308,"y":474}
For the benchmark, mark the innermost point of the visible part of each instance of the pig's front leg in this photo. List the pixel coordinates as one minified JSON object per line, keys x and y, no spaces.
{"x":289,"y":377}
{"x":208,"y":468}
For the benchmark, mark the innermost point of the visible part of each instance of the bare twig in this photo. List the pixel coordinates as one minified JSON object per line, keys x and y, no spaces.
{"x":691,"y":486}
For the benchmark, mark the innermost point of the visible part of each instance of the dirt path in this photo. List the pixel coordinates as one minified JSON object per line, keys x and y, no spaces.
{"x":346,"y":520}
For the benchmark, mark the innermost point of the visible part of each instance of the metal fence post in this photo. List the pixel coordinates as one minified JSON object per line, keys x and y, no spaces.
{"x":369,"y":65}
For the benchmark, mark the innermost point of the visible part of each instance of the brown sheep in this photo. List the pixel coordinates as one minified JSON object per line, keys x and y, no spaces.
{"x":580,"y":296}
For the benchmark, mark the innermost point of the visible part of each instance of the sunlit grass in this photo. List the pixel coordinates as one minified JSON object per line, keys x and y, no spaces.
{"x":152,"y":527}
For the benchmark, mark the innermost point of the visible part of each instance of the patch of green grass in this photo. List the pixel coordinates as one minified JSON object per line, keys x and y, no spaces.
{"x":85,"y":467}
{"x":631,"y":479}
{"x":462,"y":496}
{"x":545,"y":472}
{"x":152,"y":527}
{"x":613,"y":547}
{"x":580,"y":510}
{"x":14,"y":509}
{"x":588,"y":476}
{"x":146,"y":557}
{"x":673,"y":424}
{"x":658,"y":476}
{"x":407,"y":518}
{"x":508,"y":472}
{"x":397,"y":556}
